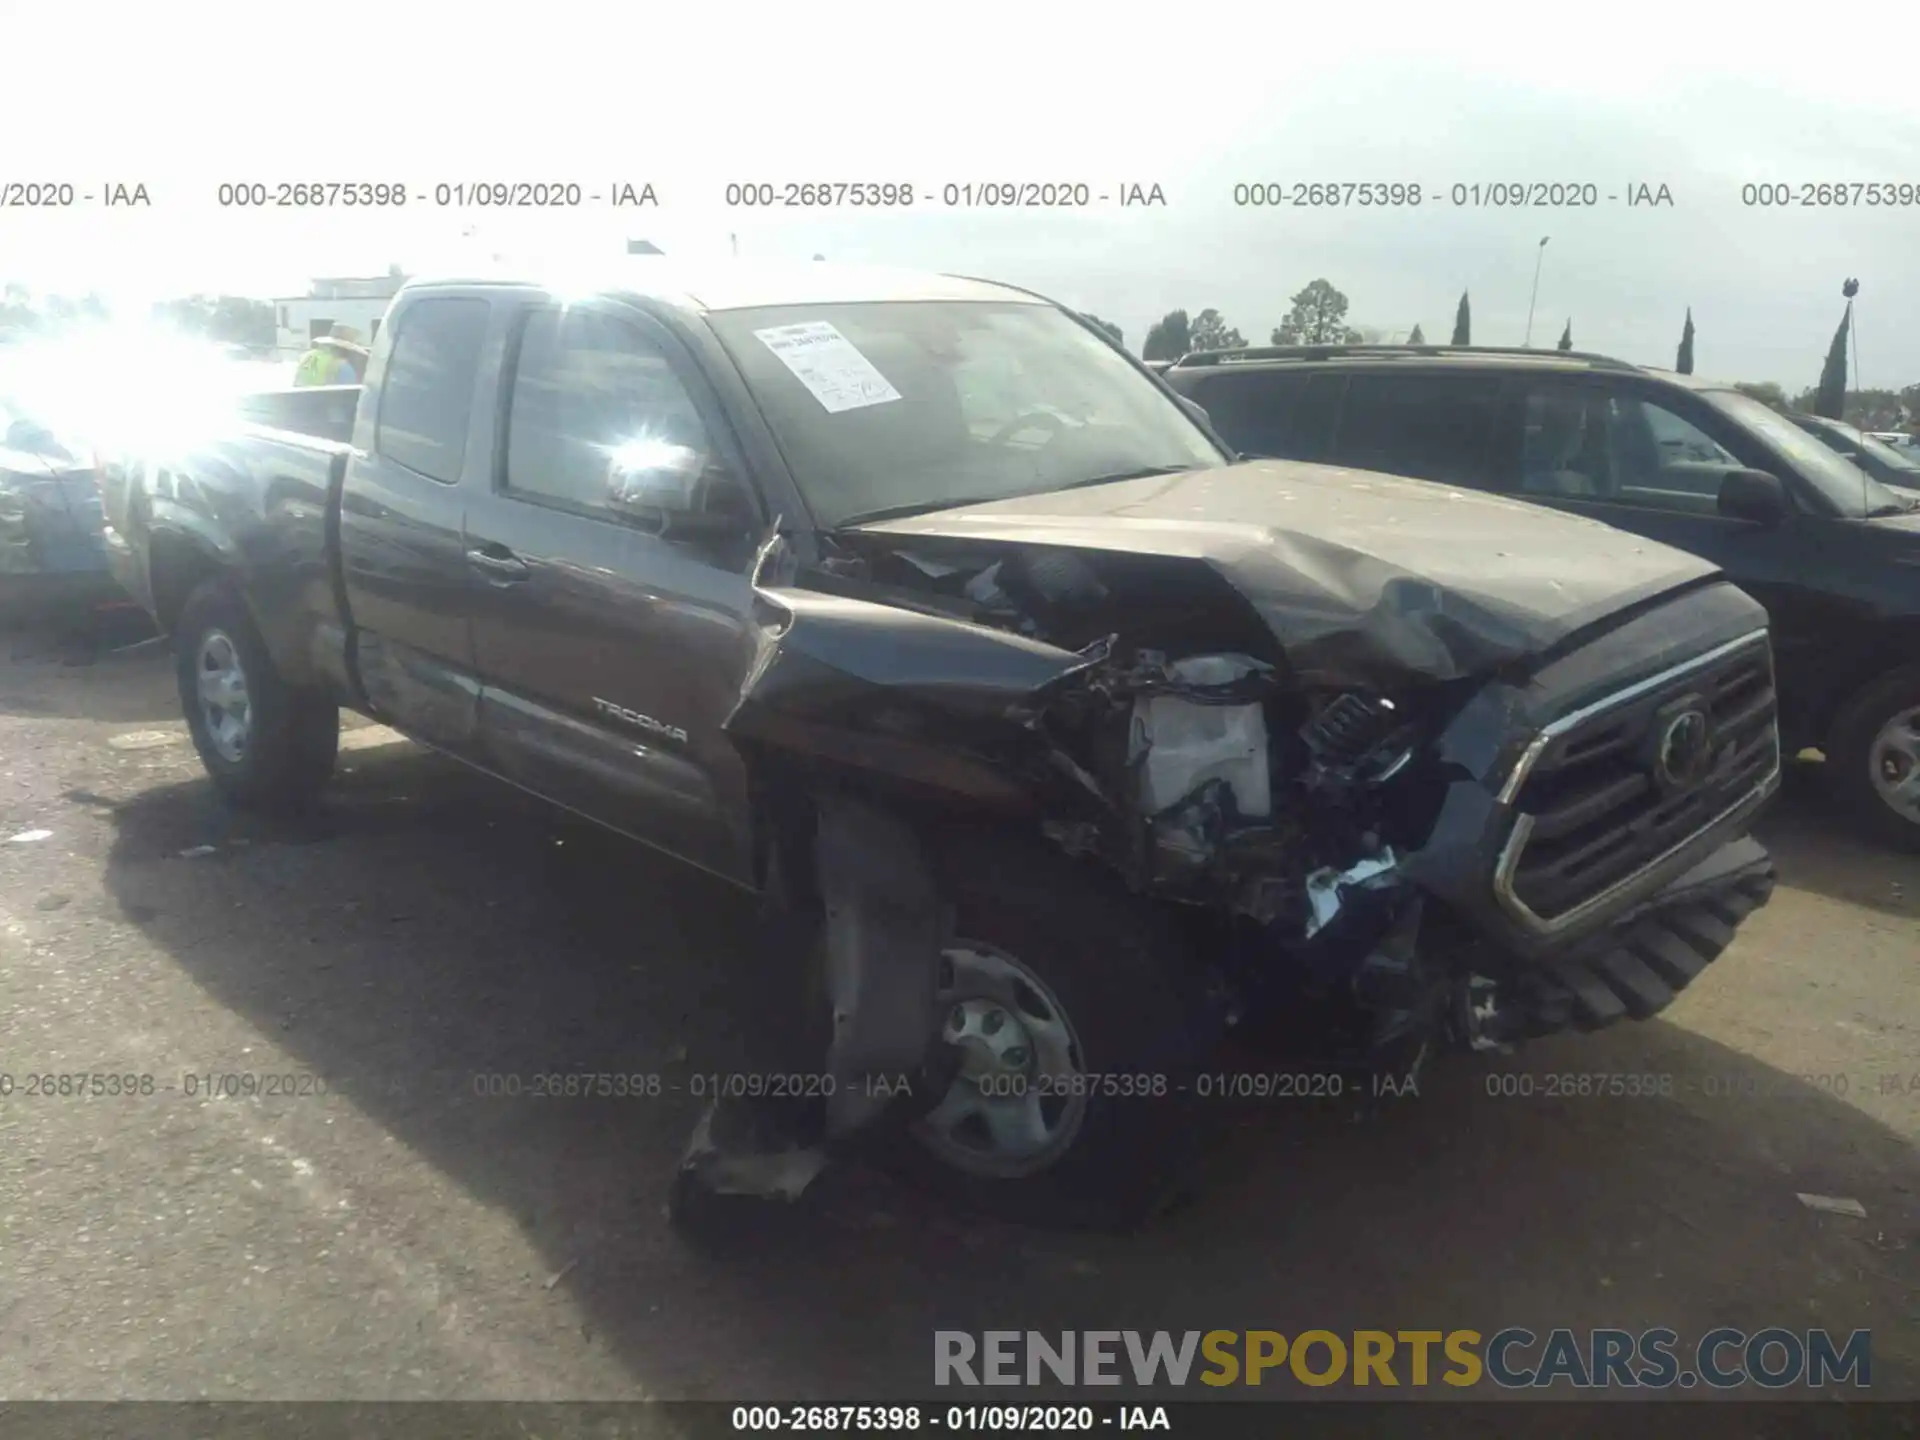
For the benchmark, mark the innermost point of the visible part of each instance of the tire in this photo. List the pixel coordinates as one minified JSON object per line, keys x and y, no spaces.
{"x":1116,"y":973}
{"x":1858,"y":751}
{"x":290,"y":737}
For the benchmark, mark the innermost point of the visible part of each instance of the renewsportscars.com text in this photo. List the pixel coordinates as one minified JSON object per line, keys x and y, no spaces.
{"x":1512,"y":1359}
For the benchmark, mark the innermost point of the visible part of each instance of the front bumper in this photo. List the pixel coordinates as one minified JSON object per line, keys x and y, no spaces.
{"x":1637,"y":965}
{"x":1510,"y":736}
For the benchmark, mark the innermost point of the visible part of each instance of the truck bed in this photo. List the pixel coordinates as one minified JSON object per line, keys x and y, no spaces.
{"x":262,"y":503}
{"x":325,"y":412}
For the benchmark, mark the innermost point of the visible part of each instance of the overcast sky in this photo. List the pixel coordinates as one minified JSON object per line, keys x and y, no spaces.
{"x":1194,"y":99}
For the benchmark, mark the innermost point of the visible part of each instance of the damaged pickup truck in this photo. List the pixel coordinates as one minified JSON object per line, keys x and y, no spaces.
{"x":1053,"y":740}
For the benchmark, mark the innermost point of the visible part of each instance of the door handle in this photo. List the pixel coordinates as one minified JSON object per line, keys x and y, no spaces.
{"x":499,"y":565}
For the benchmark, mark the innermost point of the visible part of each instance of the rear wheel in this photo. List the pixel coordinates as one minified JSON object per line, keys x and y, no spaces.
{"x":1876,"y":756}
{"x":266,"y":744}
{"x":1066,"y":1046}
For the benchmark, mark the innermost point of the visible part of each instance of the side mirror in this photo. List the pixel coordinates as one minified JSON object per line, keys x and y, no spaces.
{"x":678,"y":492}
{"x":1754,"y":495}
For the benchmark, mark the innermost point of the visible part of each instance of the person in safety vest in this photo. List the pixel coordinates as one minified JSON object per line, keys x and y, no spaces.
{"x":337,"y":358}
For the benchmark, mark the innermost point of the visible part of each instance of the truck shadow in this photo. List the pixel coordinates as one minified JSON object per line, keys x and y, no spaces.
{"x":431,"y":929}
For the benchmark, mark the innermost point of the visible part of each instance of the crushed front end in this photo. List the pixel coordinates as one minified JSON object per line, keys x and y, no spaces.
{"x":1382,"y":868}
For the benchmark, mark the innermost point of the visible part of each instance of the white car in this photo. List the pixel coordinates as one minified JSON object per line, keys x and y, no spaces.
{"x":1897,"y":440}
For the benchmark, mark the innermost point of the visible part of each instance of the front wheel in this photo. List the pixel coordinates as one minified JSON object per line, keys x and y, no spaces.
{"x":1876,"y":756}
{"x":266,"y":744}
{"x":1067,"y":1046}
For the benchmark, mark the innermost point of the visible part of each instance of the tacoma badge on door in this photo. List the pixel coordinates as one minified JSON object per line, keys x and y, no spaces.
{"x":643,"y":722}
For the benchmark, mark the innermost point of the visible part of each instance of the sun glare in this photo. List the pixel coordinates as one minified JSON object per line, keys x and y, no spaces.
{"x":125,"y":387}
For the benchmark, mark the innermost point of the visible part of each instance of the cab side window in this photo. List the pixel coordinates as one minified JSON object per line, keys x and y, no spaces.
{"x":1272,"y":413}
{"x":1431,"y":427}
{"x":426,"y":398}
{"x":1583,"y":443}
{"x":1251,"y":409}
{"x":1564,"y":448}
{"x":586,"y":387}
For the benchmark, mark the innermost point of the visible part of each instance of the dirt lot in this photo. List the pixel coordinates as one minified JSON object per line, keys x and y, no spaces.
{"x":403,"y":1237}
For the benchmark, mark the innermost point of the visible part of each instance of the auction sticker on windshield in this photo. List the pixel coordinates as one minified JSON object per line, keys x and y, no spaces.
{"x":829,"y":365}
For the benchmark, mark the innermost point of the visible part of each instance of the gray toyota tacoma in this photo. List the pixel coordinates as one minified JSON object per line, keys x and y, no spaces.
{"x":1052,"y":741}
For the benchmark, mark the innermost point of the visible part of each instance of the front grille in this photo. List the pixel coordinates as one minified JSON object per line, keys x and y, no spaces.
{"x":1600,"y":803}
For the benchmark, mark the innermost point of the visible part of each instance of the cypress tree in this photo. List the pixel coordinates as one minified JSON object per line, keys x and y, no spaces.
{"x":1830,"y":399}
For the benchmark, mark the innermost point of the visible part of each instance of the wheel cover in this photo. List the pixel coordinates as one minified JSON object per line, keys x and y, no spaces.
{"x":1014,"y":1107}
{"x":1893,"y":762}
{"x":224,"y":702}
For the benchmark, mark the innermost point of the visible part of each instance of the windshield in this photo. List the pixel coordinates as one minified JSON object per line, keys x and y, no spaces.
{"x":1891,"y":456}
{"x":892,"y":407}
{"x":1850,"y":489}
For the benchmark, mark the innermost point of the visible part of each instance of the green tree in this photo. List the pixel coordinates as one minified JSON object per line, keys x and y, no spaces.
{"x":229,"y":319}
{"x":1416,"y":338}
{"x":1318,"y":317}
{"x":1566,"y":335}
{"x":1910,"y":406}
{"x":1211,"y":332}
{"x":1830,"y":396}
{"x":17,"y":315}
{"x":23,"y":313}
{"x":1106,"y":325}
{"x":65,"y":309}
{"x":1875,"y":409}
{"x":1169,"y":337}
{"x":1766,"y":392}
{"x":1463,"y":322}
{"x":1683,"y":361}
{"x":1869,"y":409}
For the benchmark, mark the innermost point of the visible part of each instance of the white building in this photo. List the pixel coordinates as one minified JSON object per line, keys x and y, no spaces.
{"x":357,"y":301}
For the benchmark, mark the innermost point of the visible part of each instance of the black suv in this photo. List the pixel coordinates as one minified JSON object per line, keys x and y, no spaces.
{"x":1833,"y":554}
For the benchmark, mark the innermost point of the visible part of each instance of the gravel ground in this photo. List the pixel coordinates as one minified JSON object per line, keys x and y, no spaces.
{"x":402,"y":1237}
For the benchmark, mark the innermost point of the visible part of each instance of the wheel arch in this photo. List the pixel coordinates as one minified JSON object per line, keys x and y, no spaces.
{"x":178,"y":564}
{"x":1885,"y":650}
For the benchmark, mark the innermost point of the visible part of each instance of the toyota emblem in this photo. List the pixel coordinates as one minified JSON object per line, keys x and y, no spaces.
{"x":1685,"y":752}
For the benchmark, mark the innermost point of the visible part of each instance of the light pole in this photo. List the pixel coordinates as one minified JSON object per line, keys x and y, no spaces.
{"x":1539,"y":256}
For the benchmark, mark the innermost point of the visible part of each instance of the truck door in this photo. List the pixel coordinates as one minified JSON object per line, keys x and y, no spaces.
{"x":610,"y":653}
{"x":402,"y":519}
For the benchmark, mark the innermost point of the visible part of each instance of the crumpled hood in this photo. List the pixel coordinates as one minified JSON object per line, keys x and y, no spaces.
{"x":1363,"y":578}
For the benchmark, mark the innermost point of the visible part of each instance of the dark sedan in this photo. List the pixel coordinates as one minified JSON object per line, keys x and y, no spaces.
{"x":52,"y":556}
{"x":1885,"y":463}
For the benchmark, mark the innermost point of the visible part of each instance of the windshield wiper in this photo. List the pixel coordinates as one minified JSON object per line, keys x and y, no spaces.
{"x":915,"y":507}
{"x":1896,"y":507}
{"x":1143,"y":473}
{"x":924,"y":507}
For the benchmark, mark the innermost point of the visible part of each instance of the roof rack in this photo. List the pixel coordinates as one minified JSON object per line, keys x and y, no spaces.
{"x":1394,"y":352}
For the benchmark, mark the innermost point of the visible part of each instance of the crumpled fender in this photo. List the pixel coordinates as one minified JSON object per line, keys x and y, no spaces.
{"x":870,"y":688}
